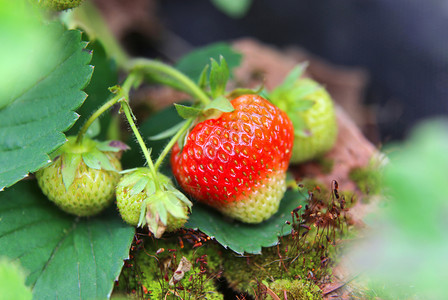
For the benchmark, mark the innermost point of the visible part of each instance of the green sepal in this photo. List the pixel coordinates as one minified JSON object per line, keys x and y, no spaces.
{"x":220,"y":103}
{"x":243,"y":91}
{"x":183,"y":139}
{"x":167,"y":133}
{"x":94,"y":129}
{"x":300,"y":127}
{"x":96,"y":159}
{"x":298,"y":93}
{"x":303,"y":105}
{"x":130,"y":180}
{"x":181,"y":197}
{"x":219,"y":74}
{"x":142,"y":218}
{"x":304,"y":133}
{"x":187,"y":112}
{"x":91,"y":160}
{"x":202,"y":82}
{"x":174,"y":206}
{"x":111,"y":146}
{"x":264,"y":94}
{"x":161,"y":210}
{"x":139,"y":186}
{"x":150,"y":188}
{"x":70,"y":163}
{"x":293,"y":75}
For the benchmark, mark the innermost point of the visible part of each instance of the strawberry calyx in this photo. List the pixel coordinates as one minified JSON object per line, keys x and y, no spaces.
{"x":91,"y":152}
{"x":292,"y":96}
{"x":162,"y":206}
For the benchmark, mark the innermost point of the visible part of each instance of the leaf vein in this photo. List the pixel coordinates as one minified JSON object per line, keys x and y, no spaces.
{"x":53,"y":253}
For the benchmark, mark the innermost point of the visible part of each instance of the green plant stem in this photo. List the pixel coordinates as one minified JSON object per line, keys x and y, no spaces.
{"x":149,"y":66}
{"x":129,"y":117}
{"x":171,"y":143}
{"x":123,"y":92}
{"x":88,"y":16}
{"x":93,"y":117}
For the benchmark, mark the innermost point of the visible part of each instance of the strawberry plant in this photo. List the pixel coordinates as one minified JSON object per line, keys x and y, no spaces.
{"x":73,"y":192}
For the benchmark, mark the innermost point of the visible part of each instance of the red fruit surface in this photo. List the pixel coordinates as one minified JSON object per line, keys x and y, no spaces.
{"x":232,"y":157}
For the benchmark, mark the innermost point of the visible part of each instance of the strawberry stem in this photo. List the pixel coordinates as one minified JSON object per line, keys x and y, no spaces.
{"x":88,"y":17}
{"x":123,"y":92}
{"x":152,"y":67}
{"x":130,"y":117}
{"x":173,"y":140}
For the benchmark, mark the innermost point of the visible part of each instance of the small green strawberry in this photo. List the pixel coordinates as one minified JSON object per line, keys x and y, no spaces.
{"x":311,"y":110}
{"x":59,"y":4}
{"x":81,"y":178}
{"x":236,"y":161}
{"x":143,"y":199}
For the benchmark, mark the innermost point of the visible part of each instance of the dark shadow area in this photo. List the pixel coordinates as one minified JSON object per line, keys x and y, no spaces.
{"x":403,"y":44}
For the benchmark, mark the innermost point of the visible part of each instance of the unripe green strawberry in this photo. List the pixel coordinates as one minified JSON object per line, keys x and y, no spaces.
{"x":237,"y":161}
{"x":311,"y":110}
{"x":143,"y":199}
{"x":59,"y":4}
{"x":81,"y":179}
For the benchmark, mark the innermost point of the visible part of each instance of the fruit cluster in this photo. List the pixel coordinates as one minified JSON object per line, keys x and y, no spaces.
{"x":231,"y":155}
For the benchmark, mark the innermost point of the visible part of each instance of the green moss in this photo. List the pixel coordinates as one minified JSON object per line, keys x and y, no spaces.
{"x":299,"y":262}
{"x":151,"y":269}
{"x":302,"y":259}
{"x":296,"y":289}
{"x":367,"y":179}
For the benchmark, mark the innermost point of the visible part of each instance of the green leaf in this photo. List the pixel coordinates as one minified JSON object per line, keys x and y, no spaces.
{"x":65,"y":256}
{"x":219,"y":74}
{"x":187,"y":112}
{"x":167,"y":133}
{"x":233,"y":8}
{"x":25,"y":48}
{"x":31,"y":125}
{"x":12,"y":281}
{"x":221,"y":103}
{"x":192,"y":64}
{"x":105,"y":75}
{"x":241,"y":237}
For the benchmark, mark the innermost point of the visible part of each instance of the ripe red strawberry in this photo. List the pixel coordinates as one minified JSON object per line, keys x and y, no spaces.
{"x":237,"y":161}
